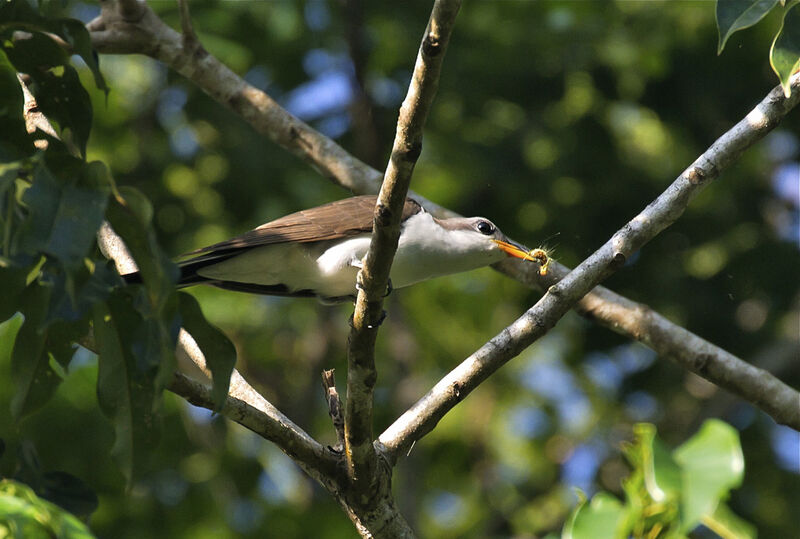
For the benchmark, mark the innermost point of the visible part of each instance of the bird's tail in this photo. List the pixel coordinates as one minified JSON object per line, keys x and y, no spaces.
{"x":187,"y":277}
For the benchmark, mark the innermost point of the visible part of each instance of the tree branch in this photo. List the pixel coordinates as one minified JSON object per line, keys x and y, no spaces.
{"x":659,"y":214}
{"x":638,"y":321}
{"x":111,"y":34}
{"x":261,"y":417}
{"x":374,"y":276}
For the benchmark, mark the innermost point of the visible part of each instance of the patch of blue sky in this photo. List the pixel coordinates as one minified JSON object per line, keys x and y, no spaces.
{"x":169,"y":110}
{"x":785,"y":444}
{"x":244,"y":515}
{"x":575,"y":413}
{"x":782,"y":145}
{"x":317,"y":14}
{"x":528,"y":421}
{"x":641,"y":406}
{"x":446,"y":509}
{"x":580,"y":468}
{"x":259,"y":76}
{"x":604,"y":372}
{"x":183,"y":142}
{"x":330,"y":92}
{"x":633,"y":357}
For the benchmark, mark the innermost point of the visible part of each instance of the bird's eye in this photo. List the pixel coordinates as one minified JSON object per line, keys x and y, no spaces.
{"x":485,"y":227}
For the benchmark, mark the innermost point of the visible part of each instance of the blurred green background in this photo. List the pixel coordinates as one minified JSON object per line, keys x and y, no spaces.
{"x":557,"y":120}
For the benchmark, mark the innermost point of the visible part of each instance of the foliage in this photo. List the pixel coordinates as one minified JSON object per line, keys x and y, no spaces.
{"x":668,"y":495}
{"x":563,"y":122}
{"x":784,"y":55}
{"x":23,"y":514}
{"x":51,"y":270}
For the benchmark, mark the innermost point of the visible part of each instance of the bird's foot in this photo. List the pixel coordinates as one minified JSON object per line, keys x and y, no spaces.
{"x":377,"y":324}
{"x":389,"y":288}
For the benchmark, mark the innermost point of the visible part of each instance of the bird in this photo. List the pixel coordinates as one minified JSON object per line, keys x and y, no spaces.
{"x":318,"y":252}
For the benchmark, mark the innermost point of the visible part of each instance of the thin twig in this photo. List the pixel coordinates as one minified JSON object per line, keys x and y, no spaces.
{"x":662,"y":212}
{"x":320,"y":463}
{"x":189,"y":37}
{"x":374,"y":276}
{"x":334,"y":407}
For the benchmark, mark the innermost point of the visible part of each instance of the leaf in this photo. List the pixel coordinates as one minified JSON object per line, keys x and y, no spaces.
{"x":24,"y":514}
{"x":136,"y":359}
{"x":13,"y":282}
{"x":8,"y":334}
{"x":604,"y":517}
{"x":34,"y":379}
{"x":784,"y":56}
{"x":129,"y":215}
{"x":729,"y":525}
{"x":661,"y":475}
{"x":20,"y":15}
{"x":69,"y":493}
{"x":219,"y":352}
{"x":61,"y":97}
{"x":712,"y":464}
{"x":125,"y":394}
{"x":11,"y":98}
{"x":74,"y":32}
{"x":64,"y":216}
{"x":735,"y":15}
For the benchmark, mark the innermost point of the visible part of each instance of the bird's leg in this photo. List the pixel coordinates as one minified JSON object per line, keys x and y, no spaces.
{"x":389,"y":287}
{"x":377,"y":324}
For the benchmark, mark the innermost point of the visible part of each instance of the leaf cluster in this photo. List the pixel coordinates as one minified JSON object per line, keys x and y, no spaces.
{"x":55,"y":282}
{"x":784,"y":55}
{"x":668,"y":494}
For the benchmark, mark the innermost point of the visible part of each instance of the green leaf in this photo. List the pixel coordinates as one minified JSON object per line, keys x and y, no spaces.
{"x":34,"y":379}
{"x":11,"y":98}
{"x":74,"y":32}
{"x":24,"y":514}
{"x":125,"y":391}
{"x":784,"y":56}
{"x":61,"y":97}
{"x":136,"y":359}
{"x":729,"y":525}
{"x":64,"y":216}
{"x":8,"y":334}
{"x":14,"y":139}
{"x":20,"y":15}
{"x":69,"y":493}
{"x":129,"y":215}
{"x":13,"y":282}
{"x":662,"y":477}
{"x":30,"y":50}
{"x":712,"y":464}
{"x":735,"y":15}
{"x":75,"y":293}
{"x":604,"y":517}
{"x":219,"y":352}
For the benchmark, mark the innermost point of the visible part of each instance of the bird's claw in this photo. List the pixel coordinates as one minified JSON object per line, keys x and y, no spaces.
{"x":377,"y":324}
{"x":389,"y":288}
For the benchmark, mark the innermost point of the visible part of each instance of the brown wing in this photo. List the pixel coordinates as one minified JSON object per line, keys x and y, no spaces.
{"x":339,"y":219}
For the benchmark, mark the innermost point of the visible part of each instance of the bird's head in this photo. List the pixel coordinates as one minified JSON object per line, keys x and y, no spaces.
{"x":478,"y":235}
